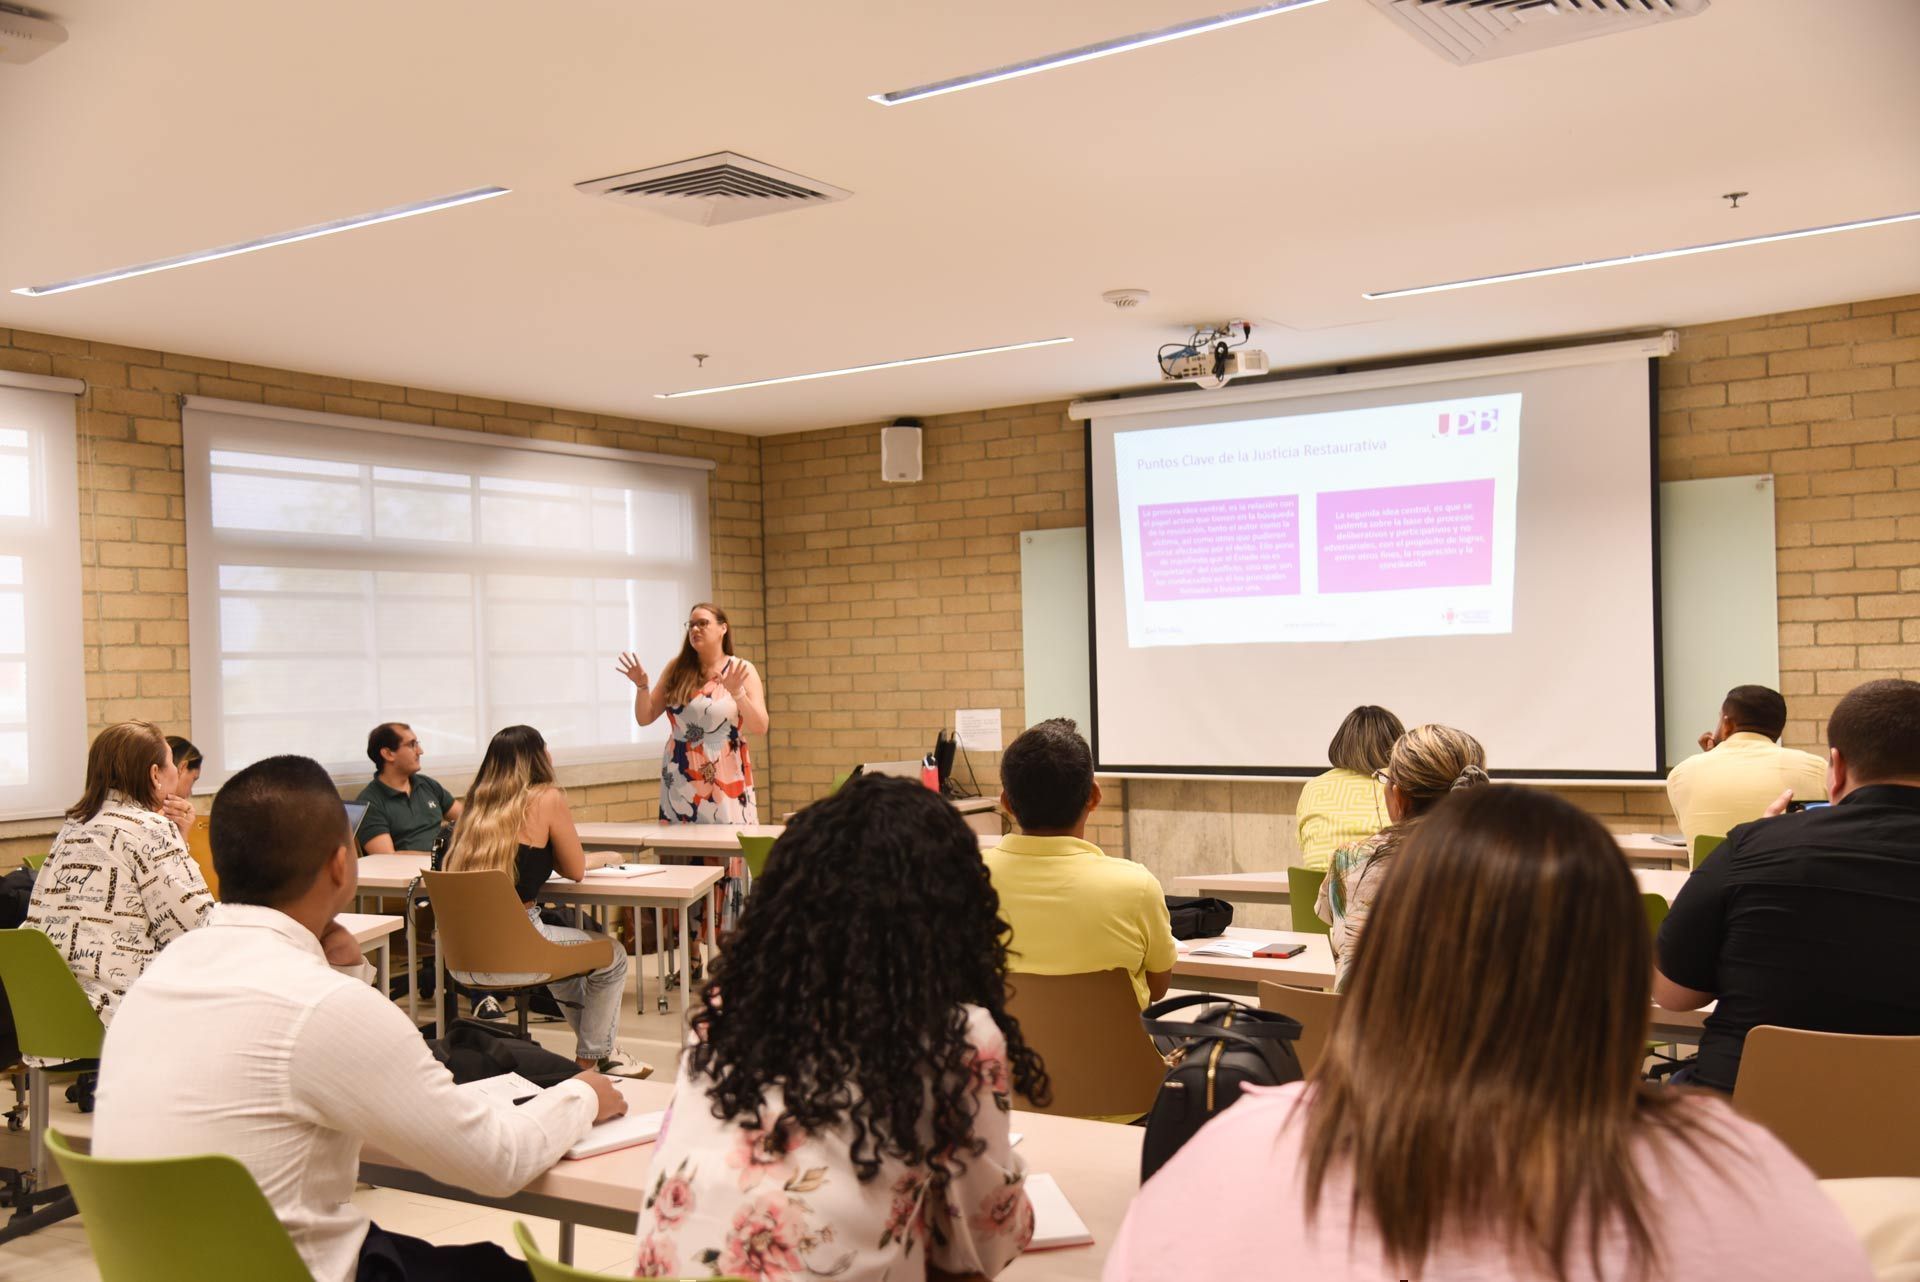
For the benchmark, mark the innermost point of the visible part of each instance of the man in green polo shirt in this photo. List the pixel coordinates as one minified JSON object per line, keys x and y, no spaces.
{"x":405,"y":808}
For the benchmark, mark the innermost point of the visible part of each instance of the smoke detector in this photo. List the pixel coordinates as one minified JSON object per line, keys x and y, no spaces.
{"x":724,"y":187}
{"x":1486,"y":29}
{"x":25,"y":35}
{"x":1125,"y":298}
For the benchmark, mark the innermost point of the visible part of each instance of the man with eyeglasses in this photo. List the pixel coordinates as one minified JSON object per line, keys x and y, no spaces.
{"x":405,"y":809}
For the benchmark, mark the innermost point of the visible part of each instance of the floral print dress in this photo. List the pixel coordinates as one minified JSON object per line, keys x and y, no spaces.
{"x":729,"y":1199}
{"x":706,"y":775}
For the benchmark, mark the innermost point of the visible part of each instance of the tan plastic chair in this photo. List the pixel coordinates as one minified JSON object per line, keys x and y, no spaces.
{"x":483,"y":929}
{"x":1844,"y":1104}
{"x":1086,"y":1028}
{"x":1313,"y":1007}
{"x":200,"y":846}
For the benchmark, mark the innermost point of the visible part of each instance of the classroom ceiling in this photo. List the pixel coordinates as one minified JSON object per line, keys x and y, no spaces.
{"x":1271,"y":171}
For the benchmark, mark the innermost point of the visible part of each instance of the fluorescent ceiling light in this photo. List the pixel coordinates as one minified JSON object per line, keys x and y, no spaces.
{"x":1654,"y":256}
{"x":267,"y":242}
{"x":862,"y":369}
{"x":1087,"y":53}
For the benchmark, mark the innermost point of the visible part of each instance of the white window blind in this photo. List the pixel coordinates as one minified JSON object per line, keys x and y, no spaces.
{"x":344,"y":572}
{"x":43,"y":704}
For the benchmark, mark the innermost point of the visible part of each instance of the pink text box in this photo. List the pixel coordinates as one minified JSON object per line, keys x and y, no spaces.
{"x":1407,"y":536}
{"x":1221,"y":548}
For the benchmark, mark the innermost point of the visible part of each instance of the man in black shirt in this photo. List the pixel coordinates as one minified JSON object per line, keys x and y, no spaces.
{"x":1811,"y":920}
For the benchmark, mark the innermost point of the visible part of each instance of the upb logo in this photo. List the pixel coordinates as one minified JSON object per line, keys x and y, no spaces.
{"x":1468,"y":422}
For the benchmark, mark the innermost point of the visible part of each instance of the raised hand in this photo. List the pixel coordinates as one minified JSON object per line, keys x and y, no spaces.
{"x":629,"y":667}
{"x":734,"y":677}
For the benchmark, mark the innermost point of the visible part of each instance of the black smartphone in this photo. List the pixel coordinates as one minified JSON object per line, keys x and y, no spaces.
{"x":1280,"y":951}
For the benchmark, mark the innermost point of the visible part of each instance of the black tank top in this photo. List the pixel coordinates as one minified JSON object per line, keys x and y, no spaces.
{"x":532,"y":865}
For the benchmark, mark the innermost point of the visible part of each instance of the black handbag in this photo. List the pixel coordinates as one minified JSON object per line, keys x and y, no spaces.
{"x":473,"y":1050}
{"x":1224,"y":1049}
{"x":1198,"y":918}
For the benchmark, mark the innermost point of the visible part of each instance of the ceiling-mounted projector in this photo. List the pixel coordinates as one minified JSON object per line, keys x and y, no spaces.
{"x":1213,"y":357}
{"x":25,"y":35}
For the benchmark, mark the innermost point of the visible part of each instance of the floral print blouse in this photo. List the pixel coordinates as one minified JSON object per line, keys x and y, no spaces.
{"x":114,"y":891}
{"x":1346,"y":897}
{"x":706,"y":774}
{"x":728,"y":1199}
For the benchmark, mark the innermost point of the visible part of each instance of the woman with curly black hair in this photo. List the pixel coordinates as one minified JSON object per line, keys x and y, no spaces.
{"x":842,"y":1106}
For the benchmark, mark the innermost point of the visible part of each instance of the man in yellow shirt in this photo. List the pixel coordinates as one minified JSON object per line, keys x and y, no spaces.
{"x":1073,"y":908}
{"x":1742,"y":767}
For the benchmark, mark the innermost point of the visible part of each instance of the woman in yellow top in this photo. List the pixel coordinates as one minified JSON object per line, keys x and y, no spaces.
{"x":1347,"y":803}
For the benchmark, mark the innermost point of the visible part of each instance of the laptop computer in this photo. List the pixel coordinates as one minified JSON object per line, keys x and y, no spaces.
{"x":356,"y":811}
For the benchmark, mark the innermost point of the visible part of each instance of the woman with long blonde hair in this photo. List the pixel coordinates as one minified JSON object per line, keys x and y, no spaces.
{"x":516,"y":820}
{"x":1478,"y":1111}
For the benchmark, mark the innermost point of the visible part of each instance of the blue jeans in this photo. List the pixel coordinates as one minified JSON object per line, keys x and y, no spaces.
{"x":591,"y":1001}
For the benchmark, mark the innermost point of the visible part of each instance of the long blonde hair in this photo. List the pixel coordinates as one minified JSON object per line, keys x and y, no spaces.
{"x":515,"y":771}
{"x":1514,"y":923}
{"x":683,"y":677}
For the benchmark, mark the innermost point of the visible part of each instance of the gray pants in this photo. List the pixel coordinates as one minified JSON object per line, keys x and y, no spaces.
{"x":591,"y":1001}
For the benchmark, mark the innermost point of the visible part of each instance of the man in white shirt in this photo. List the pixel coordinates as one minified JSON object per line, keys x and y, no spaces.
{"x":258,"y":1036}
{"x":1742,"y":768}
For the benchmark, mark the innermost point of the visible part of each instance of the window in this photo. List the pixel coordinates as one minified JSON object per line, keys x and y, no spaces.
{"x":43,"y":708}
{"x":344,"y":572}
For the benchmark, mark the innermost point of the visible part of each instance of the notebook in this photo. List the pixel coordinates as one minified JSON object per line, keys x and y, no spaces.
{"x":616,"y":871}
{"x":624,"y":1131}
{"x":1240,"y":948}
{"x":1055,"y":1222}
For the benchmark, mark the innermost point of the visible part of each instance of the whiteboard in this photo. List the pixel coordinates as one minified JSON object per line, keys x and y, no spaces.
{"x":1719,"y":600}
{"x":1719,"y":603}
{"x":1053,"y":602}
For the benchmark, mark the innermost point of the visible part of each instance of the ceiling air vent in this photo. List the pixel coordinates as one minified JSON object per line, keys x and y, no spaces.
{"x":1464,"y":31}
{"x":722,"y":188}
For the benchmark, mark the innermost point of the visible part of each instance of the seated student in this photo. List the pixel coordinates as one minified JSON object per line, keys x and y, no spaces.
{"x":259,"y":1036}
{"x":517,"y":820}
{"x":1742,"y":767}
{"x":119,"y":884}
{"x":187,"y":760}
{"x":1477,"y":1111}
{"x":842,"y":1107}
{"x":405,"y":809}
{"x":1072,"y":908}
{"x":1811,"y":920}
{"x":1426,"y":765}
{"x":1347,"y":804}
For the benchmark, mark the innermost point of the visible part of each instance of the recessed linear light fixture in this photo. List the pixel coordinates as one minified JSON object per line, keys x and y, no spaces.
{"x":1087,"y":53}
{"x":863,"y":369}
{"x":1653,"y":256}
{"x":267,"y":242}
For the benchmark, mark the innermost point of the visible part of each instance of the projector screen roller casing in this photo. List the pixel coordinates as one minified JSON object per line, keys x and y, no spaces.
{"x":1234,"y":546}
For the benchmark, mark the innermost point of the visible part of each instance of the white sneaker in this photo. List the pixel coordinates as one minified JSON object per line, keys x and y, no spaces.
{"x":489,"y":1008}
{"x":621,"y":1064}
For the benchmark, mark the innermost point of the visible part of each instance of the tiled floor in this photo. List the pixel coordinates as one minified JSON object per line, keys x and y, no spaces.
{"x":60,"y":1253}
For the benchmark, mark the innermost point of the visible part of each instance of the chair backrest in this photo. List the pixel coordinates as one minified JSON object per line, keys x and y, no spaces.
{"x":839,"y":781}
{"x":1845,"y":1104}
{"x":1702,"y":846}
{"x":1657,"y":909}
{"x":200,"y":846}
{"x":484,"y":928}
{"x":1303,"y":887}
{"x":755,"y":851}
{"x":547,"y":1270}
{"x":177,"y":1219}
{"x":33,"y":862}
{"x":1313,"y":1007}
{"x":51,"y":1013}
{"x":1086,"y":1027}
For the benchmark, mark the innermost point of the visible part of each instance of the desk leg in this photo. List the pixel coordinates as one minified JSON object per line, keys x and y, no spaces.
{"x":565,"y":1251}
{"x":659,"y":957}
{"x":413,"y":964}
{"x":686,"y":961}
{"x":440,"y":993}
{"x":385,"y":965}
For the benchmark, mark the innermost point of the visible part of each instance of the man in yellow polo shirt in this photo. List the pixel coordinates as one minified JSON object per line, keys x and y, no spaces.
{"x":1742,"y":768}
{"x":1073,"y":908}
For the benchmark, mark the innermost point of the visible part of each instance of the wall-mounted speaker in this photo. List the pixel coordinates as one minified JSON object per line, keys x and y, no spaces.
{"x":900,"y":451}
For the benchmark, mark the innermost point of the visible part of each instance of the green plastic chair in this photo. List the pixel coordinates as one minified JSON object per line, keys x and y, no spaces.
{"x":546,"y":1270}
{"x":54,"y":1021}
{"x":839,"y":781}
{"x":1303,"y":887}
{"x":1657,"y":908}
{"x":177,"y":1219}
{"x":755,"y":851}
{"x":33,"y":862}
{"x":1703,"y":845}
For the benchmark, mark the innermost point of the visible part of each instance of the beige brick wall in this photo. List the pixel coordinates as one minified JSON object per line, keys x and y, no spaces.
{"x":133,"y":528}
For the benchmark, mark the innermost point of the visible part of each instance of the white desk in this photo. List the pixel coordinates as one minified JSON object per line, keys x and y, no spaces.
{"x":374,"y":932}
{"x":1271,"y":887}
{"x":677,"y":887}
{"x":688,"y":841}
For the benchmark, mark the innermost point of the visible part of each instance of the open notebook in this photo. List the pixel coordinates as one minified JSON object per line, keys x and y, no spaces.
{"x":618,"y":871}
{"x":621,"y":1132}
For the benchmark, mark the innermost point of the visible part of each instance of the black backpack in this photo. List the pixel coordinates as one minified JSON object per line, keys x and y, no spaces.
{"x":1224,"y":1049}
{"x":1198,"y":918}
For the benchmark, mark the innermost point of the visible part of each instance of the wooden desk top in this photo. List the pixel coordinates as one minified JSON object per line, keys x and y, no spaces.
{"x":698,"y":839}
{"x":1311,"y":969}
{"x":672,"y":884}
{"x":367,"y":928}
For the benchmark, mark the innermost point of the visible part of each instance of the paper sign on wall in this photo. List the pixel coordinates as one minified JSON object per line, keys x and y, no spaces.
{"x":978,"y":729}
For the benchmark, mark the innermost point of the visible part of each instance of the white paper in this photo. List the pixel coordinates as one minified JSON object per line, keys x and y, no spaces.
{"x":624,"y":1131}
{"x":506,"y":1088}
{"x":1240,"y":948}
{"x":1055,"y":1222}
{"x":627,"y":870}
{"x":978,"y":729}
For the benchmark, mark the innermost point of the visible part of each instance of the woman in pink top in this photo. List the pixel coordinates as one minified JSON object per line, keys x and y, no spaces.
{"x":1478,"y":1112}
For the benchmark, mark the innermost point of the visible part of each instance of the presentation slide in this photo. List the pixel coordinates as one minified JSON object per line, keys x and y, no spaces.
{"x":1470,"y":543}
{"x":1349,"y":526}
